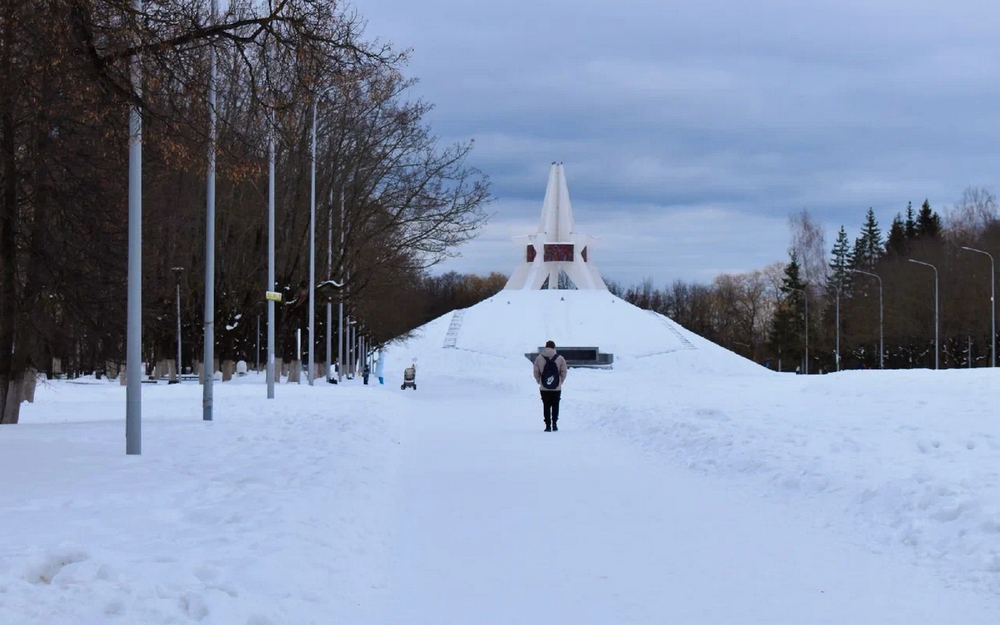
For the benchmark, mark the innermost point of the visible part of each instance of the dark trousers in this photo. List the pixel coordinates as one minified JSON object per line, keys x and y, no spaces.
{"x":550,"y":406}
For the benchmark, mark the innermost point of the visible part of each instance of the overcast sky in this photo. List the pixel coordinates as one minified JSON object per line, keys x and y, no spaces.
{"x":690,"y":131}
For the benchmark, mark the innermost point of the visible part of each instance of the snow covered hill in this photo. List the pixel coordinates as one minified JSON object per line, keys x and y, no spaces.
{"x":513,"y":323}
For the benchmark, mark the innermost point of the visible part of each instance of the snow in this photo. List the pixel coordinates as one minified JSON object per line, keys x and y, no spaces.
{"x":687,"y":485}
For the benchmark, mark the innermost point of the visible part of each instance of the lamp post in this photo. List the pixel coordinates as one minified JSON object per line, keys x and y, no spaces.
{"x":350,"y":346}
{"x":936,"y":344}
{"x":312,"y":240}
{"x":177,"y":275}
{"x":210,"y":238}
{"x":881,"y":358}
{"x":805,"y":295}
{"x":993,"y":308}
{"x":329,"y":276}
{"x":270,"y":261}
{"x":133,"y":345}
{"x":340,"y":294}
{"x":838,"y":327}
{"x":344,"y":280}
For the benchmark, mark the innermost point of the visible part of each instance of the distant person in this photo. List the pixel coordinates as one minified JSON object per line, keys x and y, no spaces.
{"x":365,"y":373}
{"x":550,"y":373}
{"x":380,"y":367}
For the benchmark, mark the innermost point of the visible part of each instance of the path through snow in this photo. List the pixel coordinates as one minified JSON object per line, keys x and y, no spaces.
{"x":499,"y":522}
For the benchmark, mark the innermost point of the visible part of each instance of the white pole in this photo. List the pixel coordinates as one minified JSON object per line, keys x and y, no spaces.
{"x":993,"y":307}
{"x":340,"y":294}
{"x":178,"y":327}
{"x":270,"y":262}
{"x":329,"y":276}
{"x":133,"y":350}
{"x":210,"y":238}
{"x":838,"y":328}
{"x":807,"y":329}
{"x":936,"y":343}
{"x":312,"y":251}
{"x":881,"y":351}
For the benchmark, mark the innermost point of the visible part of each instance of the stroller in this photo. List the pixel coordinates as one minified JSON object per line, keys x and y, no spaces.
{"x":409,"y":378}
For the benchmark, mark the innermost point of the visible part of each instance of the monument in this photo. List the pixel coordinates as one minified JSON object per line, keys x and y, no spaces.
{"x":557,"y":248}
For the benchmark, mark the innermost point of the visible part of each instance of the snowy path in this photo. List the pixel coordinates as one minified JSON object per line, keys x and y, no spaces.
{"x":498,"y":522}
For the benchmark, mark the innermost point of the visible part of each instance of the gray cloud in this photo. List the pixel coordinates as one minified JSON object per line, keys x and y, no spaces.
{"x":691,"y":130}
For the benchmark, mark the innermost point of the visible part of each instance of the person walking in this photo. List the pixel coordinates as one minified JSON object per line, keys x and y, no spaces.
{"x":380,"y":367}
{"x":550,"y":373}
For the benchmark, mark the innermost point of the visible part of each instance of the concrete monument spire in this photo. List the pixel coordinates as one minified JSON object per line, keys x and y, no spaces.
{"x":557,"y":247}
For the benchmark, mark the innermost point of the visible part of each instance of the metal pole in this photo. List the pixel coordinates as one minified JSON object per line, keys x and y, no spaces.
{"x":340,"y":297}
{"x":178,"y":326}
{"x":881,"y":353}
{"x":993,"y":306}
{"x":838,"y":328}
{"x":210,"y":239}
{"x":312,"y":251}
{"x":936,"y":343}
{"x":807,"y":329}
{"x":270,"y":261}
{"x":133,"y":349}
{"x":329,"y":276}
{"x":258,"y":341}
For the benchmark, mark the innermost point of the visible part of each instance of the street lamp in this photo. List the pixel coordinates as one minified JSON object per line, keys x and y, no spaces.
{"x":177,"y":275}
{"x":270,"y":261}
{"x":312,"y":240}
{"x":344,"y":280}
{"x":936,"y":344}
{"x":350,"y":347}
{"x":806,"y":297}
{"x":838,"y":326}
{"x":209,"y":363}
{"x":881,"y":358}
{"x":993,"y":308}
{"x":133,"y":340}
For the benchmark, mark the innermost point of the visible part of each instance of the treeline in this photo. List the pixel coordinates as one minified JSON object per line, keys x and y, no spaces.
{"x":391,"y":199}
{"x":762,"y":314}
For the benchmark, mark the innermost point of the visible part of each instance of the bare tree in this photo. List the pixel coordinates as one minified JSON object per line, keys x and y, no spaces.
{"x":809,"y":244}
{"x":973,"y":214}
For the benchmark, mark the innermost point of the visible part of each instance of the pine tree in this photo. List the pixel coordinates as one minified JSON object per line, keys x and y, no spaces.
{"x":897,"y":244}
{"x":868,"y":246}
{"x":788,"y":321}
{"x":928,"y":224}
{"x":911,"y":224}
{"x":843,"y":260}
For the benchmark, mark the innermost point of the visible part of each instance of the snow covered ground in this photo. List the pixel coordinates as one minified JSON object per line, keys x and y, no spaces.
{"x":685,"y":486}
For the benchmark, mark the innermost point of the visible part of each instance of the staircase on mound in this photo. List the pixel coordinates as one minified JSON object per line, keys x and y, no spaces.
{"x":670,"y":326}
{"x":451,"y":338}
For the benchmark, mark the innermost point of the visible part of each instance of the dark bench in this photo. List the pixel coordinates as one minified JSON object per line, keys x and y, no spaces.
{"x":581,"y":357}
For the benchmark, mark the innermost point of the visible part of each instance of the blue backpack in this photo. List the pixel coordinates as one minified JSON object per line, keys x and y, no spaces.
{"x":550,"y":373}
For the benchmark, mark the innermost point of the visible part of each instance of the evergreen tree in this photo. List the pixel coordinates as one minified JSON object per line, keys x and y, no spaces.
{"x":787,"y":324}
{"x":843,"y":260}
{"x":896,"y":243}
{"x":928,"y":222}
{"x":911,"y":224}
{"x":868,"y":245}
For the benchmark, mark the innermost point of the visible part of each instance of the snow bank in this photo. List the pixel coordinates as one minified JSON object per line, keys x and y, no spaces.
{"x":902,"y":458}
{"x":276,"y":512}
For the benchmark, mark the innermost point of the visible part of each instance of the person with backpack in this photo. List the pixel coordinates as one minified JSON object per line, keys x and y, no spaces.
{"x":550,"y":373}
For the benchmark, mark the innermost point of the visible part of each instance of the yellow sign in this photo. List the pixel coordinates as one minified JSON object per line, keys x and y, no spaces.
{"x":274,"y":296}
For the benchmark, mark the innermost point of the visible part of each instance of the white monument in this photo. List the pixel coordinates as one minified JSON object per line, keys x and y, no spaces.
{"x":557,"y":247}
